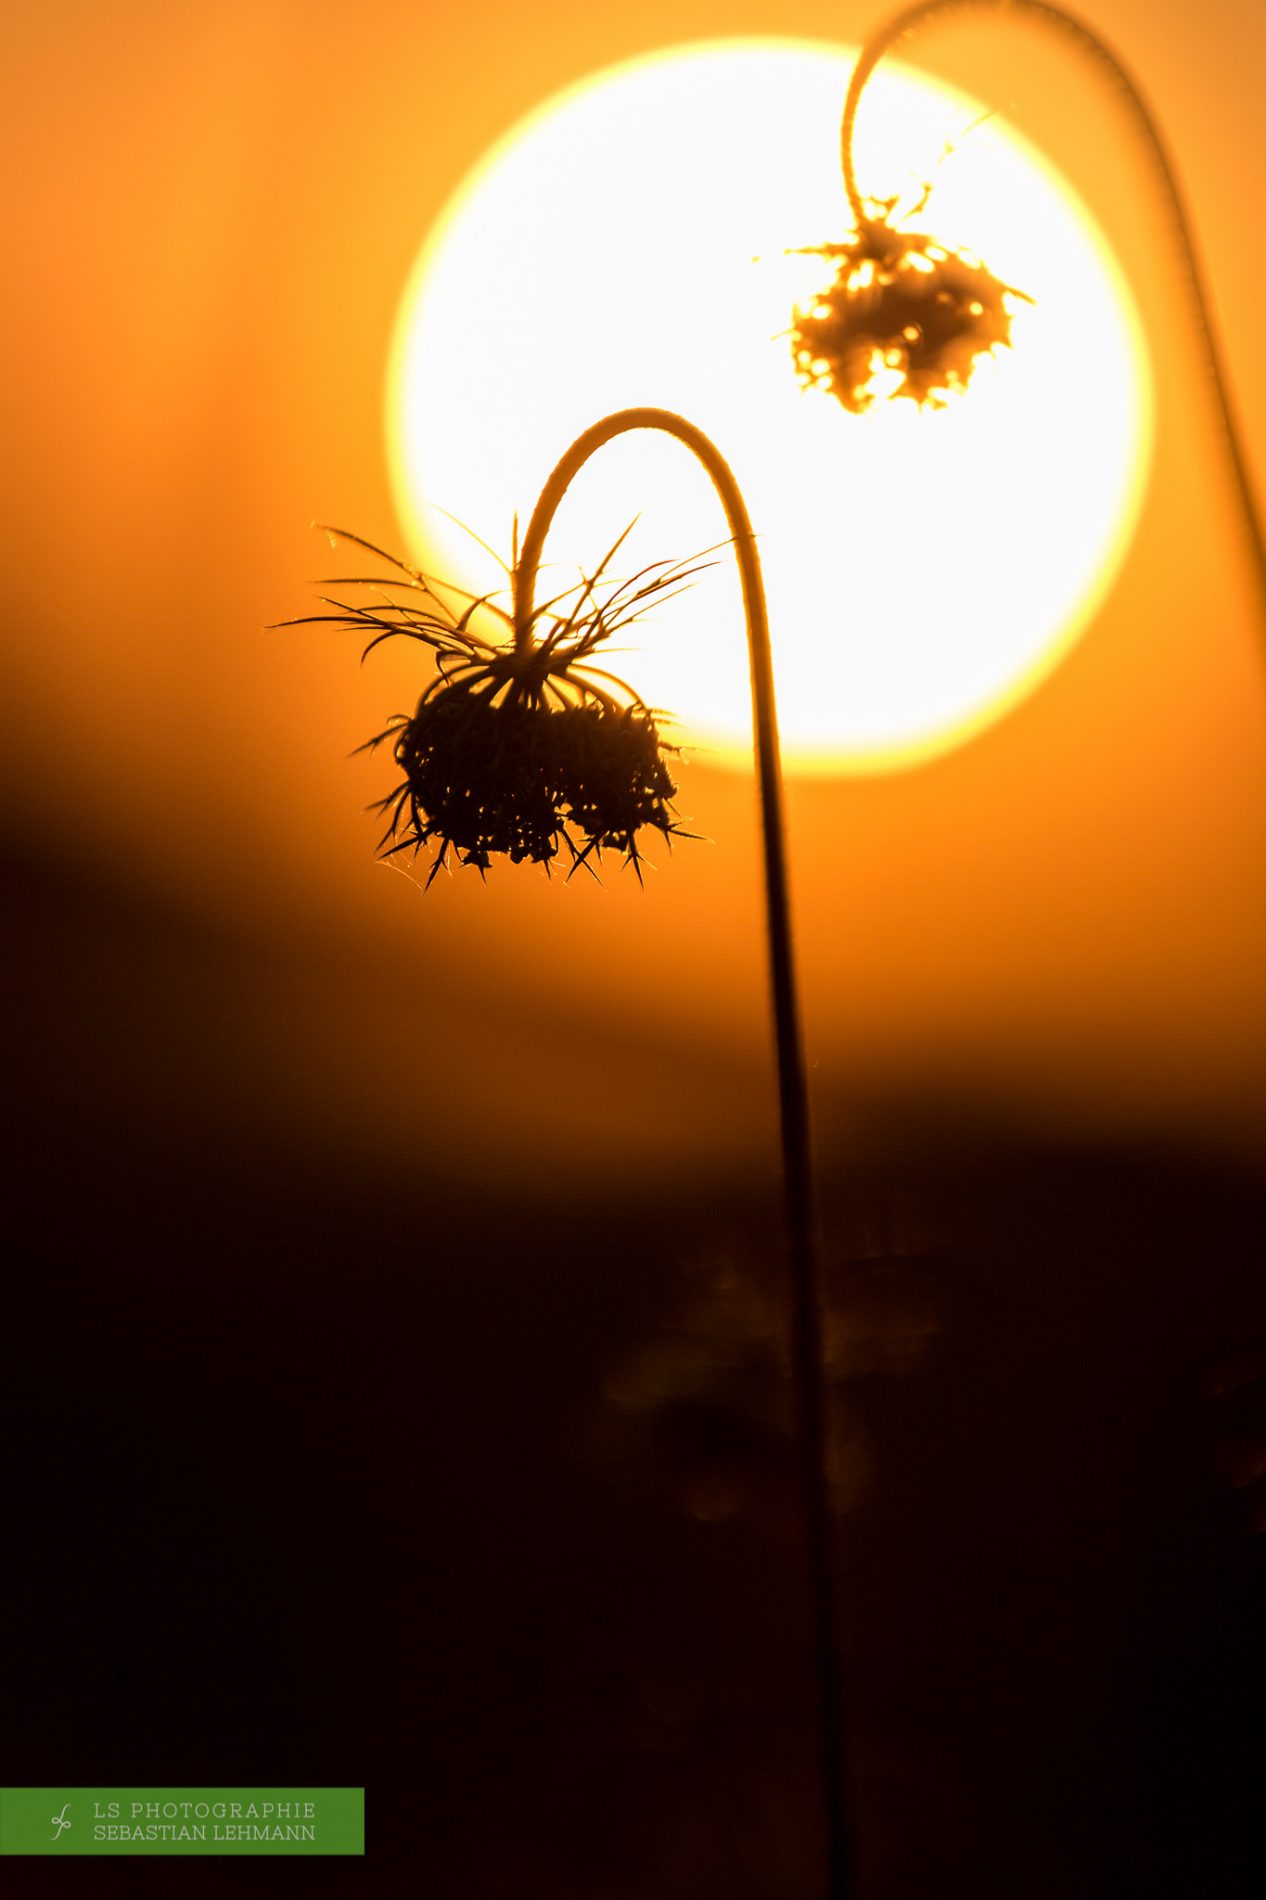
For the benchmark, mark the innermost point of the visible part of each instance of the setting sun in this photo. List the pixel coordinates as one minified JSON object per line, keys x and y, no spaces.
{"x":635,"y":241}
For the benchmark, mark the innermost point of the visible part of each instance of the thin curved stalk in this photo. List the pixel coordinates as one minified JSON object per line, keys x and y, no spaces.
{"x":897,"y":29}
{"x":793,"y":1097}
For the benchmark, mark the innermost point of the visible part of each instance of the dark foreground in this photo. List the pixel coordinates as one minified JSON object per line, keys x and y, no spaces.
{"x":319,"y":1476}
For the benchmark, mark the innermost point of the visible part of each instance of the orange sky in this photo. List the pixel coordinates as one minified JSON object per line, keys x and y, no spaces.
{"x":213,"y":212}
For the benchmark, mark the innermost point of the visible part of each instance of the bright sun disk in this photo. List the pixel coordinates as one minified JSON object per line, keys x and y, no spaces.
{"x":628,"y":244}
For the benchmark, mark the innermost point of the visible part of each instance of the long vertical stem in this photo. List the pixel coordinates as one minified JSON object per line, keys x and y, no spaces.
{"x":793,"y":1097}
{"x":897,"y":29}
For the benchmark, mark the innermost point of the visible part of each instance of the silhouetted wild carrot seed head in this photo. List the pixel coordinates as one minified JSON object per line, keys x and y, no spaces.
{"x":524,"y":749}
{"x":900,"y":304}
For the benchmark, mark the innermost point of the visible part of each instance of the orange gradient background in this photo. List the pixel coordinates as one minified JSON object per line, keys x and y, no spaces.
{"x":212,"y":213}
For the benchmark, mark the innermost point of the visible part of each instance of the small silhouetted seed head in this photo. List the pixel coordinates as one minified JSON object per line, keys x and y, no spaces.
{"x":900,"y":305}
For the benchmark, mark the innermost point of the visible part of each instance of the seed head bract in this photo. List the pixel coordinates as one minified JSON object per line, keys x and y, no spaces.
{"x":519,"y":747}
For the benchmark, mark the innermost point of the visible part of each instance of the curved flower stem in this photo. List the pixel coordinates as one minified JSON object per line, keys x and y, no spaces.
{"x":792,"y":1086}
{"x":903,"y":24}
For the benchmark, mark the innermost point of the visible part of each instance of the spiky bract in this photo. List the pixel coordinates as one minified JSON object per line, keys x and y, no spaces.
{"x":904,"y":304}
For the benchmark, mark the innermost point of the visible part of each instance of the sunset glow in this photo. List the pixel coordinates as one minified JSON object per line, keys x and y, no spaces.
{"x":629,"y":244}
